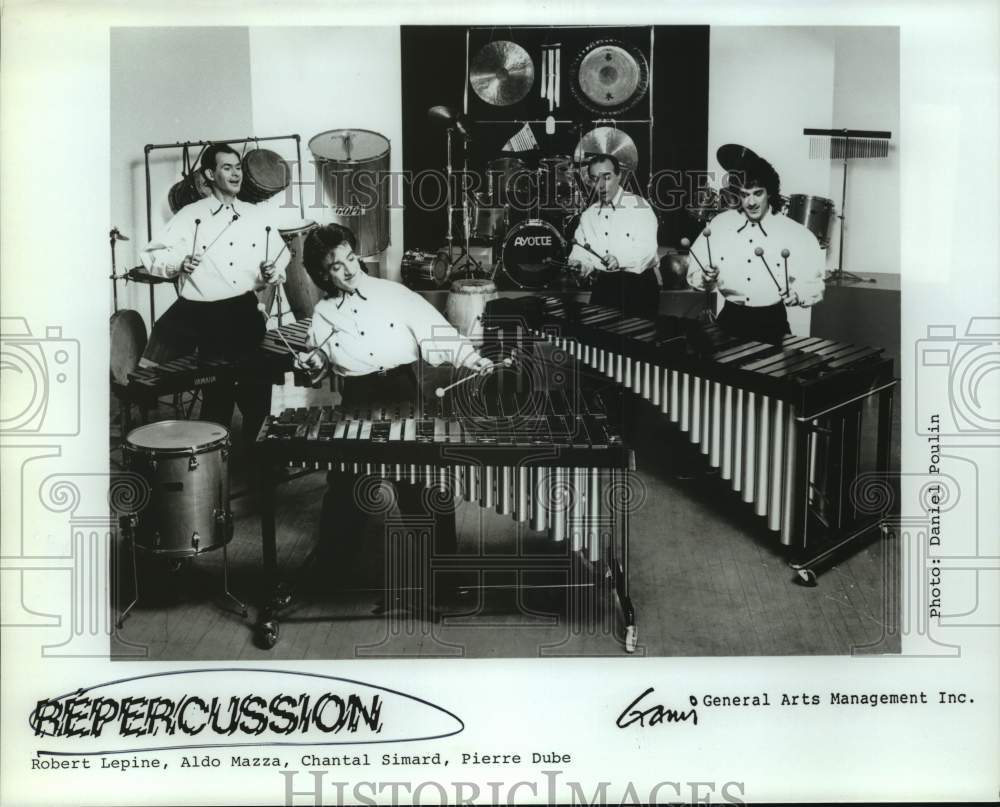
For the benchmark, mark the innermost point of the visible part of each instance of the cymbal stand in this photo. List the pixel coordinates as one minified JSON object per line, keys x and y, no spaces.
{"x":115,"y":236}
{"x":465,"y":258}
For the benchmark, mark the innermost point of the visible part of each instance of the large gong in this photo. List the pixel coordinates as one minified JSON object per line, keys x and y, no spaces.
{"x":609,"y":76}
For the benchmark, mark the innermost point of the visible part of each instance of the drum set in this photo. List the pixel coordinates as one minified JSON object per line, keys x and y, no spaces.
{"x":525,"y":218}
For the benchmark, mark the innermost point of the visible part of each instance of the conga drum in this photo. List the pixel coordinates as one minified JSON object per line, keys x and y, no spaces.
{"x":354,"y":167}
{"x":186,"y":465}
{"x":265,"y":174}
{"x":128,"y":341}
{"x":301,"y":292}
{"x":188,"y":190}
{"x":466,"y":305}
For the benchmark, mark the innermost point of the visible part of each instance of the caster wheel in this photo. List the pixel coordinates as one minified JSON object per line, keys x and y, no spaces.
{"x":631,"y":638}
{"x":805,"y":577}
{"x":267,"y":635}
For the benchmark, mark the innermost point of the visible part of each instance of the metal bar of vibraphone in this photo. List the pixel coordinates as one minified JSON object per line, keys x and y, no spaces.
{"x":795,"y":482}
{"x":777,"y":463}
{"x":594,"y":499}
{"x":737,"y":443}
{"x":725,"y":455}
{"x":694,"y":409}
{"x":761,"y":476}
{"x":706,"y":416}
{"x":749,"y":453}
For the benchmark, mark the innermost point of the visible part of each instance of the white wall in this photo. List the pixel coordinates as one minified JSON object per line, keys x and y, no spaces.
{"x":866,"y":96}
{"x":167,"y":85}
{"x":310,"y":80}
{"x":765,"y":86}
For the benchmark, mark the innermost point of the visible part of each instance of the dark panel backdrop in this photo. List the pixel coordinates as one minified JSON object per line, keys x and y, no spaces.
{"x":433,"y":73}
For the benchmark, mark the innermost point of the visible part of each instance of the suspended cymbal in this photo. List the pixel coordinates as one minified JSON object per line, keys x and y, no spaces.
{"x":502,"y":73}
{"x":609,"y":76}
{"x":608,"y":140}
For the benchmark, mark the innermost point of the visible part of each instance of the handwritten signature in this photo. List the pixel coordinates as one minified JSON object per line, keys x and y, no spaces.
{"x":653,"y":715}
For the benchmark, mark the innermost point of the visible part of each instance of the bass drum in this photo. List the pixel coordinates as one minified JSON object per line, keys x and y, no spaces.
{"x":533,"y":252}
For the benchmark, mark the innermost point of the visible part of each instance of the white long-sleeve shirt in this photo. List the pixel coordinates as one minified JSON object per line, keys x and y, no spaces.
{"x":383,"y":325}
{"x":231,"y":243}
{"x":743,"y":278}
{"x":624,"y":227}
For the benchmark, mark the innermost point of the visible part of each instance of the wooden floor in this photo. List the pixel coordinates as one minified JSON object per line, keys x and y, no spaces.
{"x":706,"y":580}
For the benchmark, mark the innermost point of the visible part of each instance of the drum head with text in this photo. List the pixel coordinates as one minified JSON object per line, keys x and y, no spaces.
{"x":532,"y":253}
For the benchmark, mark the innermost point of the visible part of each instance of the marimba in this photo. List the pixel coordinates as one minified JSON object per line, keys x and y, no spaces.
{"x":781,"y":422}
{"x":551,"y":459}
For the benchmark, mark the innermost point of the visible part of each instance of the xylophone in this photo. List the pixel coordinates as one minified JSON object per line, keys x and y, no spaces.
{"x":781,"y":422}
{"x":270,"y":358}
{"x":552,"y":459}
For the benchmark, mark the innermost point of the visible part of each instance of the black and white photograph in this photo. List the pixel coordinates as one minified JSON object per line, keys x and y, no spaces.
{"x":499,"y":403}
{"x":565,"y":334}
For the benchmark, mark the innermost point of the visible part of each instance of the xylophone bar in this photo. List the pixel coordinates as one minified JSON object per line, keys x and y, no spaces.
{"x":270,"y":359}
{"x":536,"y":470}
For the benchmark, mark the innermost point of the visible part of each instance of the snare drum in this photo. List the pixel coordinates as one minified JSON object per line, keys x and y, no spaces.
{"x":815,"y":213}
{"x":186,"y":464}
{"x":533,"y":252}
{"x":301,"y":292}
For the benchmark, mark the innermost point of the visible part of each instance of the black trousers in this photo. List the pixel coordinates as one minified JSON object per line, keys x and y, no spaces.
{"x":222,"y":329}
{"x":349,"y":499}
{"x":631,"y":293}
{"x":768,"y":323}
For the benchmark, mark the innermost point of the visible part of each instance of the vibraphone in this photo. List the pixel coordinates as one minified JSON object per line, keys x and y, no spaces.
{"x":552,"y":460}
{"x":781,"y":423}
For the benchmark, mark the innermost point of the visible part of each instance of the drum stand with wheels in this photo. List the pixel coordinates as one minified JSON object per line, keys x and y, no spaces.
{"x":129,"y":525}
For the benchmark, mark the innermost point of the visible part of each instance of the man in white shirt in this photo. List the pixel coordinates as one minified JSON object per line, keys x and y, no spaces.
{"x":616,"y":238}
{"x":372,"y":332}
{"x":759,"y":260}
{"x":219,"y":250}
